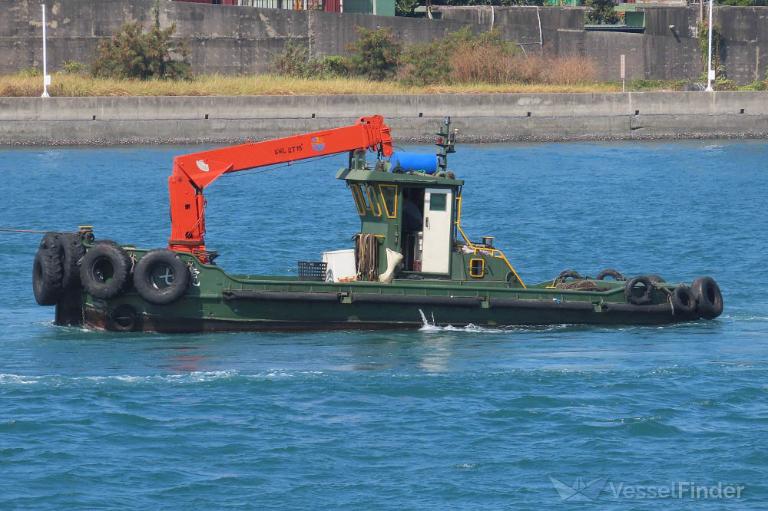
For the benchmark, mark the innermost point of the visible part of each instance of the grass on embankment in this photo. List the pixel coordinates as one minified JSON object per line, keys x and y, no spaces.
{"x":65,"y":85}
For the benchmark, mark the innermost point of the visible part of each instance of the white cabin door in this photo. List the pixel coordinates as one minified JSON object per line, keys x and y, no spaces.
{"x":436,"y":241}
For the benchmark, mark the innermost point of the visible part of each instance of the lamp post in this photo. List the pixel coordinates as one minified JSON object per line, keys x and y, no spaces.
{"x":710,"y":71}
{"x":46,"y":77}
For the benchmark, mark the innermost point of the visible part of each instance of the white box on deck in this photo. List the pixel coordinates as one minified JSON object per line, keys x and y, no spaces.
{"x":340,"y":264}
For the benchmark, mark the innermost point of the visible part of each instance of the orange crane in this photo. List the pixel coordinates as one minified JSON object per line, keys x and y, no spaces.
{"x":193,"y":172}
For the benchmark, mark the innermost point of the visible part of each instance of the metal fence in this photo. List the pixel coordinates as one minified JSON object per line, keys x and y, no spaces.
{"x":295,"y":5}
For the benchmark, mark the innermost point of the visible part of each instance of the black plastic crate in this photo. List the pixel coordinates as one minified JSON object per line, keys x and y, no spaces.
{"x":312,"y":270}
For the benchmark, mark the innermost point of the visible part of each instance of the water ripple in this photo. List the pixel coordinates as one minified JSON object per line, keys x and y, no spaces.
{"x":442,"y":418}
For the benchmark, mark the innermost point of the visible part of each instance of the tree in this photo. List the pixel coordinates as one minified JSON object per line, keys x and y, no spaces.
{"x":406,"y":7}
{"x":133,"y":53}
{"x":375,"y":54}
{"x":602,"y":12}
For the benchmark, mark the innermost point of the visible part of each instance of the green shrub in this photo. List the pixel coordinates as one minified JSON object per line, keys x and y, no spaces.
{"x":723,"y":83}
{"x":292,"y":61}
{"x":295,"y":61}
{"x":133,"y":53}
{"x":425,"y":64}
{"x":30,"y":72}
{"x":375,"y":54}
{"x":717,"y":39}
{"x":645,"y":84}
{"x":334,"y":66}
{"x":464,"y":57}
{"x":73,"y":67}
{"x":490,"y":39}
{"x":721,"y":76}
{"x":757,"y":85}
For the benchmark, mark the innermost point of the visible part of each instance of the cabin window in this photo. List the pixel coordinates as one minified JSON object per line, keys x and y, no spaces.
{"x":373,"y":200}
{"x":360,"y":203}
{"x":389,"y":199}
{"x":437,"y":201}
{"x":477,"y":267}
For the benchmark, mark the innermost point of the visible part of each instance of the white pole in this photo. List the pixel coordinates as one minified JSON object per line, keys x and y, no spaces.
{"x":46,"y":78}
{"x":623,"y":72}
{"x":710,"y":71}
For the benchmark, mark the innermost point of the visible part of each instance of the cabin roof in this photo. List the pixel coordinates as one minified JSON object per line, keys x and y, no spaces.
{"x":379,"y":176}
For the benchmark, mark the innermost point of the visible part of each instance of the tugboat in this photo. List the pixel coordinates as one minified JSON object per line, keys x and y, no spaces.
{"x":411,"y":259}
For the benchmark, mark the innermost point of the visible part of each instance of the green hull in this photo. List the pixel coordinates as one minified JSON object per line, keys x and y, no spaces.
{"x":219,"y":302}
{"x":412,"y":263}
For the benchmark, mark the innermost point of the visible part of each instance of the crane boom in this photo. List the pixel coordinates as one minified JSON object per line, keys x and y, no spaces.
{"x":193,"y":172}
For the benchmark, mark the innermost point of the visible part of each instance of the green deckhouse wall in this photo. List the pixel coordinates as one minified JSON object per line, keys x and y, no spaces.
{"x":388,"y":230}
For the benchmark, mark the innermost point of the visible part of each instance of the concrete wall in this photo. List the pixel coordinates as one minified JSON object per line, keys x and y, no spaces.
{"x":667,"y":49}
{"x":221,"y":39}
{"x":235,"y":40}
{"x":491,"y":117}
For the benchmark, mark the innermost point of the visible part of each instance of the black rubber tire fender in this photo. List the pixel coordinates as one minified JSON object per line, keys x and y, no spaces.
{"x":51,"y":242}
{"x":123,"y":318}
{"x":569,"y":274}
{"x":709,"y":299}
{"x":610,"y":272}
{"x":641,"y":282}
{"x":72,"y":251}
{"x":46,"y":277}
{"x":683,"y":300}
{"x":105,"y":270}
{"x":145,"y":282}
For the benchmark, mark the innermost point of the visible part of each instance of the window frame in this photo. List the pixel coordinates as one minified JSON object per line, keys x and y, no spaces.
{"x":389,"y":214}
{"x":482,"y":267}
{"x":444,"y":206}
{"x":370,"y":191}
{"x":359,"y":198}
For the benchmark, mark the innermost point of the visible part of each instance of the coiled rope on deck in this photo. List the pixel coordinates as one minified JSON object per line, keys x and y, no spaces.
{"x":367,"y":257}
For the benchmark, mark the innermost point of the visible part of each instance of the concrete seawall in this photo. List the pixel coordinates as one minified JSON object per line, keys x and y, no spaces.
{"x":479,"y":117}
{"x":244,"y":40}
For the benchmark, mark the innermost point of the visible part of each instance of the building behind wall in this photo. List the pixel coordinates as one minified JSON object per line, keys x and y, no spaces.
{"x":377,"y":7}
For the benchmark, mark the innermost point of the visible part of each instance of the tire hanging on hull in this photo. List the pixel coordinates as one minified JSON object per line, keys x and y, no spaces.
{"x":105,"y":270}
{"x":124,"y":318}
{"x":709,"y":299}
{"x":46,"y":277}
{"x":72,"y":251}
{"x":683,"y":301}
{"x":161,"y":277}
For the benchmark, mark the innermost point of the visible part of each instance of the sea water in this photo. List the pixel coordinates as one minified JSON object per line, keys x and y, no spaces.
{"x":563,"y":417}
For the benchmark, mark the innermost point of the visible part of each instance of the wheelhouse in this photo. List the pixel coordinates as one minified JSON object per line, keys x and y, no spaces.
{"x":414,"y":216}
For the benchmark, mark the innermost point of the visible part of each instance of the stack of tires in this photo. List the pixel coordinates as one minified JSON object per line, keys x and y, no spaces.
{"x":64,"y":267}
{"x":702,"y":299}
{"x":55,"y":270}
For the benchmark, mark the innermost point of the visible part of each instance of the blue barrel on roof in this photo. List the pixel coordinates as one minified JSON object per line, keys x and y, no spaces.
{"x":414,"y":161}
